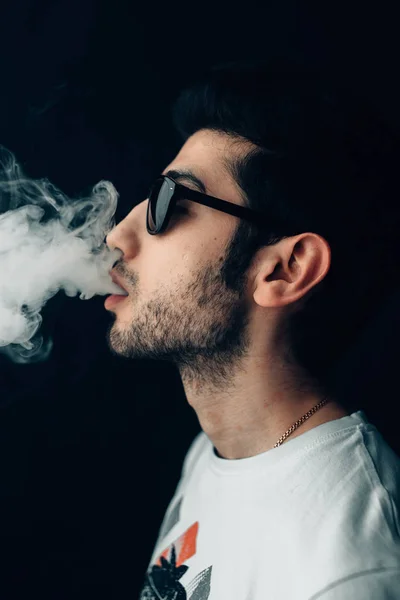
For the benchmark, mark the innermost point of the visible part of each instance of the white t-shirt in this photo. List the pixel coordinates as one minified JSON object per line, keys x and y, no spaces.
{"x":315,"y":518}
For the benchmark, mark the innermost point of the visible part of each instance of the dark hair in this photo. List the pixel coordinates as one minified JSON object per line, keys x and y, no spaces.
{"x":324,"y":162}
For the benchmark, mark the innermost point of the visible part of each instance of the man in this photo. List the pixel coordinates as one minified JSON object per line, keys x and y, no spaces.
{"x":284,"y":494}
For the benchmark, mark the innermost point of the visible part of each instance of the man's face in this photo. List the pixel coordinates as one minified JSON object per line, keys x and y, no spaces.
{"x":188,"y":302}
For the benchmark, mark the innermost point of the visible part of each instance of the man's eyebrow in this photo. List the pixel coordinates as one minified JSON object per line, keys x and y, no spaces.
{"x":188,"y":175}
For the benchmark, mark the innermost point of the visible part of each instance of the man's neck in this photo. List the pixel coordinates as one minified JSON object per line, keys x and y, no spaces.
{"x":240,"y":429}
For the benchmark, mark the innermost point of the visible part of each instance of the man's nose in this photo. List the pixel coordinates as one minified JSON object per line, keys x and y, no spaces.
{"x":119,"y":235}
{"x":124,"y":236}
{"x":111,"y":239}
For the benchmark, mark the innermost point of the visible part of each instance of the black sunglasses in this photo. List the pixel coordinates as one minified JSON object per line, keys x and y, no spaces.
{"x":165,"y":193}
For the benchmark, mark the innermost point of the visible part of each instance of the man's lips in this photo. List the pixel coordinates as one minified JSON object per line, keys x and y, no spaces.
{"x":117,"y":281}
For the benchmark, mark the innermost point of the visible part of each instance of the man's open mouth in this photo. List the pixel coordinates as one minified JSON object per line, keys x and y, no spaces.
{"x":117,"y":282}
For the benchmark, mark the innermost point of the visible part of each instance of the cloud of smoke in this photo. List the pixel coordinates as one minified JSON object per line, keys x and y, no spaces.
{"x":48,"y":242}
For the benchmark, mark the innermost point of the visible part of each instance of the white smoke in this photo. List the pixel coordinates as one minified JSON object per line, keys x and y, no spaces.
{"x":48,"y":242}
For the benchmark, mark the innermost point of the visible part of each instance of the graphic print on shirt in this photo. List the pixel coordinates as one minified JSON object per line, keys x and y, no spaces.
{"x":162,"y":578}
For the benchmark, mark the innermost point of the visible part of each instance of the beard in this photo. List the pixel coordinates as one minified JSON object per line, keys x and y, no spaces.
{"x":201,"y":326}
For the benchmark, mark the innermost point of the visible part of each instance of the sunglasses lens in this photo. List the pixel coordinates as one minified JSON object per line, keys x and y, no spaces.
{"x":160,"y":196}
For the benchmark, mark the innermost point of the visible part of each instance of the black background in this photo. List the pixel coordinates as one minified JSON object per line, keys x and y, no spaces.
{"x":91,"y":446}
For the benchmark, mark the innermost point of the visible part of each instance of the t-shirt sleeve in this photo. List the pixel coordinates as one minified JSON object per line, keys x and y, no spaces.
{"x":377,"y":584}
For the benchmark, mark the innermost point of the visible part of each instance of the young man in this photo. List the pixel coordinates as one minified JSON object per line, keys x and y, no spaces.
{"x":244,"y":268}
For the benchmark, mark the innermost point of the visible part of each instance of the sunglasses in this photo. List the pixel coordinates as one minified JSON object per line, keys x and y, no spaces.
{"x":165,"y":193}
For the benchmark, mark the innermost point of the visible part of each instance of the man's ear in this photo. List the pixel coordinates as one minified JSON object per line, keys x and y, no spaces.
{"x":290,"y":269}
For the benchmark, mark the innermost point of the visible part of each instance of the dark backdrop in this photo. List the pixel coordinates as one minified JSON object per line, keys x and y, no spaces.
{"x":91,"y":445}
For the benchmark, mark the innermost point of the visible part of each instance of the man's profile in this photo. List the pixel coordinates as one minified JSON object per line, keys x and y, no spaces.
{"x":252,"y":266}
